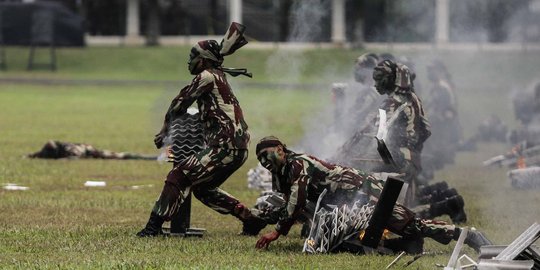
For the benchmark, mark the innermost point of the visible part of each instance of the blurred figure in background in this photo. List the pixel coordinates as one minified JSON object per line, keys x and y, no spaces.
{"x":442,"y":108}
{"x":58,"y":149}
{"x":352,"y":104}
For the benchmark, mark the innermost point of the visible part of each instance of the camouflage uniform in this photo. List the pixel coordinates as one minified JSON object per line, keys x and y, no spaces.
{"x":226,"y":135}
{"x":304,"y":177}
{"x":57,"y":149}
{"x":227,"y":140}
{"x":408,"y":129}
{"x":443,"y":115}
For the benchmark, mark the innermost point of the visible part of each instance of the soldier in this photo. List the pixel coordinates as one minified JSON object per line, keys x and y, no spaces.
{"x":57,"y":149}
{"x":226,"y":136}
{"x":302,"y":178}
{"x":527,"y":110}
{"x":408,"y":128}
{"x":367,"y":98}
{"x":443,"y":117}
{"x":364,"y":97}
{"x":352,"y":102}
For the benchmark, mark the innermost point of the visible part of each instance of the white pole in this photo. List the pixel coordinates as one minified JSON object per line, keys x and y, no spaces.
{"x":442,"y":21}
{"x":338,"y":21}
{"x":235,"y":12}
{"x":132,"y":22}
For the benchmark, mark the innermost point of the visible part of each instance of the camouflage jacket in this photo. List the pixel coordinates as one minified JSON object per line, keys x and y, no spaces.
{"x":442,"y":103}
{"x":304,"y":177}
{"x":410,"y":129}
{"x":220,"y":112}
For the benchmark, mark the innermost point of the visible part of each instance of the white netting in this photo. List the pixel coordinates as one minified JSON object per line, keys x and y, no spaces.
{"x":331,"y":227}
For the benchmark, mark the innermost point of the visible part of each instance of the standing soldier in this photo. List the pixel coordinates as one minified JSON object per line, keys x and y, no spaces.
{"x":443,"y":117}
{"x":226,"y":136}
{"x":367,"y":98}
{"x":410,"y":129}
{"x":302,"y":178}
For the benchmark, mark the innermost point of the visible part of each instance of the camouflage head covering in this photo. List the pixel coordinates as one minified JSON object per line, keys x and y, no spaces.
{"x":392,"y":77}
{"x":387,"y":56}
{"x":210,"y":49}
{"x":268,"y":141}
{"x":367,"y":60}
{"x":364,"y":65}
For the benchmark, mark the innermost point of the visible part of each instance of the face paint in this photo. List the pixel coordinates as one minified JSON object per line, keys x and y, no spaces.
{"x":383,"y":82}
{"x":269,"y":160}
{"x":194,"y":59}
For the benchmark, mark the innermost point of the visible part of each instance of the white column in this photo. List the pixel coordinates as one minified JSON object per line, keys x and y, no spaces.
{"x":132,"y":22}
{"x":338,"y":21}
{"x":442,"y":20}
{"x":235,"y":11}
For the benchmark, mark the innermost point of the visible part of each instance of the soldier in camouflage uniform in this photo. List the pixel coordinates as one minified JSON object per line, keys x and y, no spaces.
{"x":408,"y":127}
{"x":226,"y":136}
{"x":411,"y":129}
{"x":57,"y":149}
{"x":302,"y":178}
{"x":444,"y":120}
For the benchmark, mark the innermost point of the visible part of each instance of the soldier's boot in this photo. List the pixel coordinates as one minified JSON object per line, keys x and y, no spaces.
{"x":306,"y":228}
{"x":453,"y":206}
{"x":474,"y":239}
{"x":251,"y":224}
{"x":438,"y":195}
{"x":428,"y":190}
{"x":153,"y":227}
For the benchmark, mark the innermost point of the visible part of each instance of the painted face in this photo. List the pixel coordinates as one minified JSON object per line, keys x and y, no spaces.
{"x":194,"y":60}
{"x":383,"y":81}
{"x":269,"y":159}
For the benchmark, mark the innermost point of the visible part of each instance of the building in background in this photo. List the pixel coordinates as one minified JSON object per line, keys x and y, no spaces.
{"x":154,"y":22}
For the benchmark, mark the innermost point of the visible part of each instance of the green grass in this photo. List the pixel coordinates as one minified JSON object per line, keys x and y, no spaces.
{"x":59,"y":223}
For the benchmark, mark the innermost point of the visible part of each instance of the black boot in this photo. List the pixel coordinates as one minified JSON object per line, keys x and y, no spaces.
{"x":153,"y":227}
{"x":474,"y":239}
{"x":438,"y":195}
{"x":251,"y":224}
{"x":452,"y":206}
{"x":428,"y":190}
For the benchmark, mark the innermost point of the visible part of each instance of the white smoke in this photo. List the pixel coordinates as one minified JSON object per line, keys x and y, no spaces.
{"x":306,"y":18}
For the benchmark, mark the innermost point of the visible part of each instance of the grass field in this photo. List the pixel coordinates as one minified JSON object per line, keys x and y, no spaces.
{"x":59,"y":223}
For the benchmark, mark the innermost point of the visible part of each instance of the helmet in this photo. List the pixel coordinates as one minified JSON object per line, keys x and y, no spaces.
{"x":387,"y":56}
{"x":364,"y":65}
{"x":384,"y":75}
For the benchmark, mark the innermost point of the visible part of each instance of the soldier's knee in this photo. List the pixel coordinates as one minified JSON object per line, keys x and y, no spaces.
{"x":177,"y":178}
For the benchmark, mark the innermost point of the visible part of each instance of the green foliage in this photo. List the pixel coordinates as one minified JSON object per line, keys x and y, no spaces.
{"x":59,"y":223}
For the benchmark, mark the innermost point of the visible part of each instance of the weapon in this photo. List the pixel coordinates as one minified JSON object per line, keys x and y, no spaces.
{"x":518,"y":157}
{"x":381,"y":136}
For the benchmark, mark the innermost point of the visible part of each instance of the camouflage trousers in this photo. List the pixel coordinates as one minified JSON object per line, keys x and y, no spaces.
{"x":201,"y":174}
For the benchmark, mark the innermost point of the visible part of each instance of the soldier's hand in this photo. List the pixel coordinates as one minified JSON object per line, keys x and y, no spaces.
{"x":158,"y":140}
{"x":265,"y":240}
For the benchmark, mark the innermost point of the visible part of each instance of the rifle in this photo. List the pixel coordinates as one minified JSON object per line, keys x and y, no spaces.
{"x":519,"y":157}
